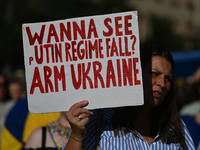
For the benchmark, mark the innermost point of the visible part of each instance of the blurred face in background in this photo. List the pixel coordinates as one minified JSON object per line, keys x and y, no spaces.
{"x":2,"y":88}
{"x":15,"y":90}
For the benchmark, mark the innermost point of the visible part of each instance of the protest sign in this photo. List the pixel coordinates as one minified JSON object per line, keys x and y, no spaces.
{"x":92,"y":58}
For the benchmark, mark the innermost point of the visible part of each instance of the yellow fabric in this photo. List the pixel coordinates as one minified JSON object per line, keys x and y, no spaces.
{"x":9,"y":142}
{"x":34,"y":121}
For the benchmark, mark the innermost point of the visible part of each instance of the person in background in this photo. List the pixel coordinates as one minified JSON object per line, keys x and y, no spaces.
{"x":190,"y":113}
{"x":15,"y":93}
{"x":193,"y":107}
{"x":3,"y":99}
{"x":3,"y":88}
{"x":19,"y":124}
{"x":15,"y":90}
{"x":154,"y":125}
{"x":51,"y":137}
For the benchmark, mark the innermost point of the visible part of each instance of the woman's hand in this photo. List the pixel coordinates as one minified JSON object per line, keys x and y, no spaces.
{"x":78,"y":117}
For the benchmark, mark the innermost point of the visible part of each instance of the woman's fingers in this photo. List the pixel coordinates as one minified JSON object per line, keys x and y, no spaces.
{"x":77,"y":109}
{"x":78,"y":117}
{"x":79,"y":105}
{"x":77,"y":112}
{"x":80,"y":114}
{"x":82,"y":117}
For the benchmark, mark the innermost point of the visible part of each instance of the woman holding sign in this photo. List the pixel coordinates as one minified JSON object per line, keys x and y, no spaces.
{"x":154,"y":125}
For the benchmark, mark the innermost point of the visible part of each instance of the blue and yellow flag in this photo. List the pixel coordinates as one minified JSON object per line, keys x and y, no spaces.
{"x":12,"y":131}
{"x":20,"y":124}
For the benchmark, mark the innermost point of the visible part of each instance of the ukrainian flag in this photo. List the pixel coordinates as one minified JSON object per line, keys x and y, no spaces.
{"x":20,"y":124}
{"x":12,"y":131}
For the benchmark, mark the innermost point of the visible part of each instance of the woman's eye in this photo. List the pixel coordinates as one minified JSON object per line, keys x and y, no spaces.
{"x":154,"y":73}
{"x":168,"y":79}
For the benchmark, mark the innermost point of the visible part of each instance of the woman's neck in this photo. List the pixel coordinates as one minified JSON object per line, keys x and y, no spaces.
{"x":145,"y":123}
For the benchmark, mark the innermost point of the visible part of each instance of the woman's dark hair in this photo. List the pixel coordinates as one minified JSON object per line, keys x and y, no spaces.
{"x":170,"y":126}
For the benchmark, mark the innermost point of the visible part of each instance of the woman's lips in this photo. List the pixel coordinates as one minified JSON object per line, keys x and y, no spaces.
{"x":157,"y":94}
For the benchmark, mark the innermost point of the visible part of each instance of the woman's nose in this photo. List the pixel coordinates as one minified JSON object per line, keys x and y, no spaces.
{"x":161,"y":81}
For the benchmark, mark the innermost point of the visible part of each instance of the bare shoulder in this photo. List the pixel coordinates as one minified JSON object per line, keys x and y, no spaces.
{"x":34,"y":139}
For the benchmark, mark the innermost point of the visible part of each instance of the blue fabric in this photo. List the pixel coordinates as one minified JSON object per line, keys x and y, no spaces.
{"x":16,"y":119}
{"x":193,"y":128}
{"x":186,"y":62}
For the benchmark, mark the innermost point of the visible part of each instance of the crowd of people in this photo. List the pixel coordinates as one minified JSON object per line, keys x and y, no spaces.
{"x":157,"y":123}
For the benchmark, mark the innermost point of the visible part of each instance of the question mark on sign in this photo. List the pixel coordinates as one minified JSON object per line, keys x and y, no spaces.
{"x":133,"y":45}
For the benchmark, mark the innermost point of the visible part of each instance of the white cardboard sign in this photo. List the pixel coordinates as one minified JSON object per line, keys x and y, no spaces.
{"x":92,"y":58}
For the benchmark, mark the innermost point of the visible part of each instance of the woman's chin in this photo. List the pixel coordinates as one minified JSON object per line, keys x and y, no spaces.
{"x":153,"y":104}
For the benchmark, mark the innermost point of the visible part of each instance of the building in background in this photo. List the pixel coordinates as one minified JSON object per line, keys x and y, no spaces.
{"x":184,"y":16}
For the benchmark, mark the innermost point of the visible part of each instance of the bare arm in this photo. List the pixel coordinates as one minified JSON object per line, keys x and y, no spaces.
{"x":34,"y":140}
{"x":78,"y":117}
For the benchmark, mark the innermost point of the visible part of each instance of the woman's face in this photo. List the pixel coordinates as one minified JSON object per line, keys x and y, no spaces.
{"x":157,"y":77}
